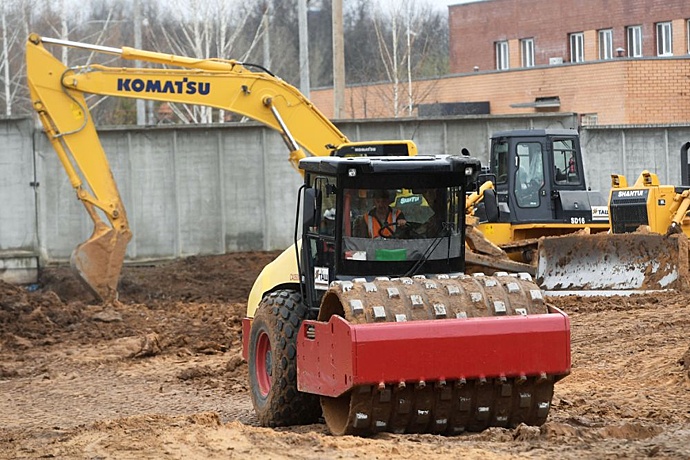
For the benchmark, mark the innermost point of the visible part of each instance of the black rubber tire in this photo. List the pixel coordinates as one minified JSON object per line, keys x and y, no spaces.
{"x":273,"y":362}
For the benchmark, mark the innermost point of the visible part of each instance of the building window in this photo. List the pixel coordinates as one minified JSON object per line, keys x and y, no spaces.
{"x":577,"y":47}
{"x":634,"y":41}
{"x":688,"y":35}
{"x":606,"y":44}
{"x":527,"y":50}
{"x":502,"y":56}
{"x":664,"y":39}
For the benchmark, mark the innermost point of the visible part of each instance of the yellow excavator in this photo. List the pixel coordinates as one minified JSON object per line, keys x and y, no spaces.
{"x":57,"y":94}
{"x":344,"y":325}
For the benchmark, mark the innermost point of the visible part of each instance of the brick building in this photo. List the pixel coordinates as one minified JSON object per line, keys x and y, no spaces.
{"x":509,"y":34}
{"x":618,"y":92}
{"x":614,"y":62}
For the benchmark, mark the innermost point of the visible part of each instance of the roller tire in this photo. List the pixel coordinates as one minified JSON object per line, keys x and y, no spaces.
{"x":273,"y":362}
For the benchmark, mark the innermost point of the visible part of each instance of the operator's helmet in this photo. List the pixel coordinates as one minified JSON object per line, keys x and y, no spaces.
{"x":329,"y":214}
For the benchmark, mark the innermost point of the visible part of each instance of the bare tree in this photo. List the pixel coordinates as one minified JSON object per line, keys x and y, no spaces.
{"x":5,"y":60}
{"x":380,"y":46}
{"x":203,"y":29}
{"x":15,"y":17}
{"x":398,"y":31}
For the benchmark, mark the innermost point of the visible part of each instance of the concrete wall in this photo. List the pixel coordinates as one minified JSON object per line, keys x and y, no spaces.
{"x":18,"y":232}
{"x":630,"y":150}
{"x":215,"y":189}
{"x":187,"y":190}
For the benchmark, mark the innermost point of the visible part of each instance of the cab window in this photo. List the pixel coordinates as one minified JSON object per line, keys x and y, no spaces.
{"x":500,"y":158}
{"x":529,"y":174}
{"x":565,"y":162}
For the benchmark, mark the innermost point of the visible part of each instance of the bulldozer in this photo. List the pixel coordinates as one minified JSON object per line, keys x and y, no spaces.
{"x":539,"y":186}
{"x":382,"y":331}
{"x":646,"y":250}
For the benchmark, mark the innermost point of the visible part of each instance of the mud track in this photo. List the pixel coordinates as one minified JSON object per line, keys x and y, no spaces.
{"x":161,"y":375}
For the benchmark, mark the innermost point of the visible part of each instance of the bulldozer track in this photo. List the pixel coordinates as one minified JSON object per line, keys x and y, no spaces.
{"x":440,"y":407}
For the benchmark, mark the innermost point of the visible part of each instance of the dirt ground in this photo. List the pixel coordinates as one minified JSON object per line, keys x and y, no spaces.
{"x":161,"y":376}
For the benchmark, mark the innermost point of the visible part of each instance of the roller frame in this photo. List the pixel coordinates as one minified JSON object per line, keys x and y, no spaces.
{"x":337,"y":356}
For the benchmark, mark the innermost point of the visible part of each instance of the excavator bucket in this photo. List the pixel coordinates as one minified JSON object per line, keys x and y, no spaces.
{"x":613,"y":262}
{"x":98,"y":261}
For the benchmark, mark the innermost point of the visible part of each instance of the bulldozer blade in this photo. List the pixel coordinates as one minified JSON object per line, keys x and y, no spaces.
{"x":487,"y":264}
{"x":98,"y":261}
{"x":613,"y":262}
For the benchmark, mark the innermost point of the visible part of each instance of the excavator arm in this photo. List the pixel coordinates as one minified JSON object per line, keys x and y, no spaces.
{"x":57,"y":94}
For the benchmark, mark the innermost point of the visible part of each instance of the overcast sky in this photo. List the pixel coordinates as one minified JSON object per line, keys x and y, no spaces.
{"x":440,"y":4}
{"x":444,"y":3}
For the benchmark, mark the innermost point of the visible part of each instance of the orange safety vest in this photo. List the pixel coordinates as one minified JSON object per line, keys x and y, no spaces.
{"x":374,"y":225}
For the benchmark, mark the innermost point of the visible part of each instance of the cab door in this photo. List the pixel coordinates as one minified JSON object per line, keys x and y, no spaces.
{"x":522,"y":184}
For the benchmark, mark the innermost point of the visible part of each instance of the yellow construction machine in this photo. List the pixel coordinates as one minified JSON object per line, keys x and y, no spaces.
{"x":538,"y":183}
{"x":646,"y":250}
{"x":375,"y":330}
{"x":57,"y":94}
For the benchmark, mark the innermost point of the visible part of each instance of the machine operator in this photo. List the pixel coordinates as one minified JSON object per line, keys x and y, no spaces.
{"x":382,"y":220}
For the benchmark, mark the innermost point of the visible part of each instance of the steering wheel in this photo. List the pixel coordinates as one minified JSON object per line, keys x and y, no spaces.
{"x":392,"y":228}
{"x":408,"y":231}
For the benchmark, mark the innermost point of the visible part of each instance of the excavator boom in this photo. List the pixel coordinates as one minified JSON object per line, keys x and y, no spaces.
{"x":57,"y":93}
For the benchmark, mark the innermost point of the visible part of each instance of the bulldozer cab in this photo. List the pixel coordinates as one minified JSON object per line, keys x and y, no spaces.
{"x":540,"y":178}
{"x":367,"y":217}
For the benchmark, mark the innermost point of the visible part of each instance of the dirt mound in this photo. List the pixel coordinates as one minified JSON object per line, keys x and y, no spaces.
{"x":222,"y":278}
{"x":195,"y":304}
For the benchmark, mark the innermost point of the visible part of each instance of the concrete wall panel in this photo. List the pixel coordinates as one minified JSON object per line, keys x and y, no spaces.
{"x":152,"y":206}
{"x":215,"y":189}
{"x":17,"y":196}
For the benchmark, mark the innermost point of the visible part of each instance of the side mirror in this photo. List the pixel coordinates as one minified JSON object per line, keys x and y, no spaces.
{"x":491,"y":205}
{"x":310,"y":208}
